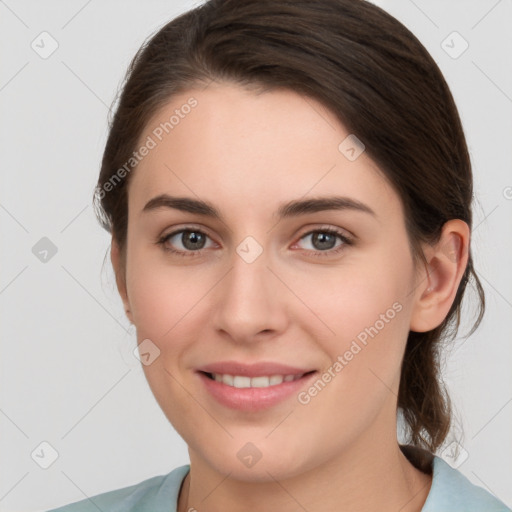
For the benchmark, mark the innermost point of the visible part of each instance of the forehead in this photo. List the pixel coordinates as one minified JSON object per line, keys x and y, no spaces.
{"x":237,"y":148}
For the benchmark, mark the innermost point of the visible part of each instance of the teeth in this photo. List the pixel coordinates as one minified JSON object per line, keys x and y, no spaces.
{"x":228,"y":379}
{"x":239,"y":381}
{"x":264,"y":382}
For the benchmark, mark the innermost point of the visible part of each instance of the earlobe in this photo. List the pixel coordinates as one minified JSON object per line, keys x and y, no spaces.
{"x":438,"y":284}
{"x":120,"y":274}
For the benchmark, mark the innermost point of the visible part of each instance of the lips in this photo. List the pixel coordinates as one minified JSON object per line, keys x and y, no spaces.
{"x":233,"y":390}
{"x":260,"y":369}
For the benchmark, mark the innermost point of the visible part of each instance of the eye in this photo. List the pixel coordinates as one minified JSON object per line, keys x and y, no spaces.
{"x":192,"y":240}
{"x":323,"y":241}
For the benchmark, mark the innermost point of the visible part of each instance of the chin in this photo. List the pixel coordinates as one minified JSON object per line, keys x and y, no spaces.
{"x":266,"y":465}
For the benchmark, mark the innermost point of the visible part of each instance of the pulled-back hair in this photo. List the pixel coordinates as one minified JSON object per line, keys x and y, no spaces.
{"x":383,"y":86}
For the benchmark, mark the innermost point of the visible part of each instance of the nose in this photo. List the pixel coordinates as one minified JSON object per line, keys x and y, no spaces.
{"x":250,"y":303}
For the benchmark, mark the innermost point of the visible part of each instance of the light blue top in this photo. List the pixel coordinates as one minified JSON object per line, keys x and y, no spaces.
{"x":451,"y":491}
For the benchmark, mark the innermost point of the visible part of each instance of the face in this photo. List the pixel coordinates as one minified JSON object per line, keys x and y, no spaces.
{"x":323,"y":289}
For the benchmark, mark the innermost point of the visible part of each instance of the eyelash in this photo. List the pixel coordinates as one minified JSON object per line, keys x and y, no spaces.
{"x":346,"y":241}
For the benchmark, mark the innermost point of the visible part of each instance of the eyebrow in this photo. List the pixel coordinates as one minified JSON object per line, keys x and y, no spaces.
{"x":290,"y":209}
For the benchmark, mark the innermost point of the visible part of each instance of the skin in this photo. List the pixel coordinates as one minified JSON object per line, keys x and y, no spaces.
{"x":248,"y":153}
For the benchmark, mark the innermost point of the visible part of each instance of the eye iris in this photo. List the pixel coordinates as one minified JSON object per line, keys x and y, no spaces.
{"x":190,"y":238}
{"x":326,"y":240}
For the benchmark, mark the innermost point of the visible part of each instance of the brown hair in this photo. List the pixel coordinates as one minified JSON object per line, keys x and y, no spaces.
{"x":381,"y":83}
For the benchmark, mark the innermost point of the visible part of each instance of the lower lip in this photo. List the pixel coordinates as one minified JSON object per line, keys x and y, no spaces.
{"x":253,"y":399}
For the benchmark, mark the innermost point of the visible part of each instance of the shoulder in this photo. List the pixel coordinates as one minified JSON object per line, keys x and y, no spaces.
{"x":453,"y":491}
{"x":155,"y":494}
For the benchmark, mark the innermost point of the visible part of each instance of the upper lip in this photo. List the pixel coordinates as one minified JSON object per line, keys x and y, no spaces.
{"x":253,"y":370}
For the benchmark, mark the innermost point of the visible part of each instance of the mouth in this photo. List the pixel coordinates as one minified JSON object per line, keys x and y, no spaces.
{"x":263,"y":381}
{"x":259,"y":391}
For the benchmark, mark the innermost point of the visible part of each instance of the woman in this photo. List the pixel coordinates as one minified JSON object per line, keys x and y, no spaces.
{"x":288,"y":189}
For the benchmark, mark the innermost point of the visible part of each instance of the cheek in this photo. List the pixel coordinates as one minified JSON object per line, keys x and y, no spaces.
{"x":362,"y":316}
{"x":353,"y":301}
{"x":163,"y":300}
{"x":161,"y":295}
{"x":367,"y":311}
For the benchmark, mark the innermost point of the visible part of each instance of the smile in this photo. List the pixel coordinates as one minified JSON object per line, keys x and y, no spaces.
{"x":261,"y":388}
{"x":241,"y":381}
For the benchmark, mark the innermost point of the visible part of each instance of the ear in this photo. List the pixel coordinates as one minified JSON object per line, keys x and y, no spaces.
{"x":437,"y":285}
{"x":119,"y":267}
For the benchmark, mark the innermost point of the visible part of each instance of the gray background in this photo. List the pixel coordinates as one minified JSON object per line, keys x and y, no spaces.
{"x":68,"y":374}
